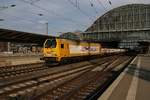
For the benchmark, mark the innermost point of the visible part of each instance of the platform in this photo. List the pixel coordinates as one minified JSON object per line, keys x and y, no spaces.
{"x":7,"y":60}
{"x":133,"y":83}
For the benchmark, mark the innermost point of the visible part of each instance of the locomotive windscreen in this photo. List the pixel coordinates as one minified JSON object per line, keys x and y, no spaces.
{"x":50,"y":43}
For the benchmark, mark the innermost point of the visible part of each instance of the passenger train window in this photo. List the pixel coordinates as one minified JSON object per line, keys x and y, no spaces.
{"x":62,"y":45}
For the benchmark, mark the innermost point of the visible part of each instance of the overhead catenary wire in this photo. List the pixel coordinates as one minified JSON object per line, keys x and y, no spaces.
{"x":54,"y":13}
{"x":78,"y":7}
{"x":77,"y":3}
{"x":33,"y":13}
{"x":109,"y":1}
{"x":93,"y":6}
{"x":25,"y":19}
{"x":101,"y":4}
{"x":34,"y":1}
{"x":3,"y":6}
{"x":30,"y":21}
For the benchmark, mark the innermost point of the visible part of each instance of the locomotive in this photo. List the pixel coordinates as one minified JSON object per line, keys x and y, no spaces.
{"x":61,"y":50}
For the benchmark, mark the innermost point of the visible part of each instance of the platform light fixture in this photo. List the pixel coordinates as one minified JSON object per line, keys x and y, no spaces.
{"x":6,"y":7}
{"x":40,"y":14}
{"x":12,"y":5}
{"x":1,"y":19}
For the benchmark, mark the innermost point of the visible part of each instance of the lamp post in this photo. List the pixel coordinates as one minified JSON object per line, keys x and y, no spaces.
{"x":46,"y":28}
{"x":40,"y":14}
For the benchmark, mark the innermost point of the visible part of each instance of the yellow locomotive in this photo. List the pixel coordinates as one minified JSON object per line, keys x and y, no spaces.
{"x":58,"y":50}
{"x":62,"y":50}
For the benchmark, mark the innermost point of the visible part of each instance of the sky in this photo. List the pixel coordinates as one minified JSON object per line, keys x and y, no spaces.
{"x":61,"y":15}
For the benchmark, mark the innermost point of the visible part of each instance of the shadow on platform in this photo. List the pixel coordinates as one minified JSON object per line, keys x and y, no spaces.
{"x":143,"y":73}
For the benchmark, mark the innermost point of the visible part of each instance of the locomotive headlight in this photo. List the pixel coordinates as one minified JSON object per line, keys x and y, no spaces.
{"x":49,"y":52}
{"x":50,"y":55}
{"x":53,"y":54}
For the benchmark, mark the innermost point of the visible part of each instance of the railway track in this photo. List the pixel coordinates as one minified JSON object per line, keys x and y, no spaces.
{"x":80,"y":87}
{"x":17,"y":70}
{"x":8,"y":72}
{"x":66,"y":80}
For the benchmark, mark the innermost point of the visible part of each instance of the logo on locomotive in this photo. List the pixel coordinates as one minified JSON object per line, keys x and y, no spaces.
{"x":89,"y":48}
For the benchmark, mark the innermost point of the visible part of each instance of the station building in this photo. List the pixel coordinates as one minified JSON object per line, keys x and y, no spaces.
{"x":128,"y":25}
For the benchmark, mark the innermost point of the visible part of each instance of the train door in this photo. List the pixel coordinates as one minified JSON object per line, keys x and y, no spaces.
{"x":64,"y":49}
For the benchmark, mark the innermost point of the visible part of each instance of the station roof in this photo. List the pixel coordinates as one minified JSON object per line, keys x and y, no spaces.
{"x":7,"y":35}
{"x":127,"y":22}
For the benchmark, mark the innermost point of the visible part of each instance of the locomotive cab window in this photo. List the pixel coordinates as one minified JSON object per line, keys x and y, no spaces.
{"x":62,"y":45}
{"x":50,"y":43}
